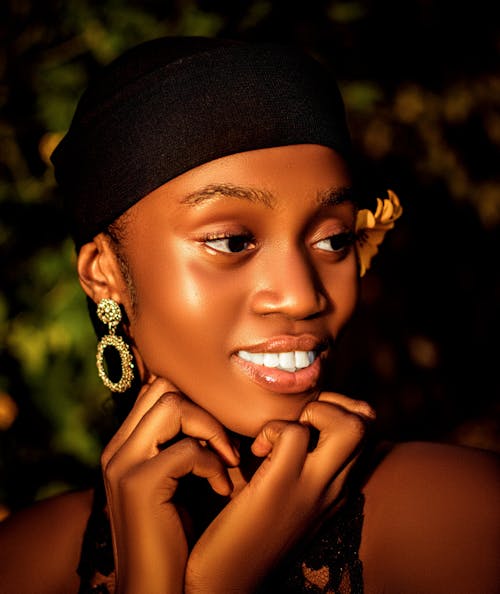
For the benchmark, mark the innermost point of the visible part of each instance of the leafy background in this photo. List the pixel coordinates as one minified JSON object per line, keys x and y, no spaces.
{"x":422,"y":88}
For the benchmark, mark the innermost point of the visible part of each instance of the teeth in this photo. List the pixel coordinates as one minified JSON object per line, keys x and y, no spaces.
{"x":288,"y":361}
{"x":301,"y":359}
{"x":271,"y":360}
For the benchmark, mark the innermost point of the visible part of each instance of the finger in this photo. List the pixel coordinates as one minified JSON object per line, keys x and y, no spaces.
{"x":148,"y":395}
{"x":170,"y":416}
{"x":358,"y":407}
{"x":285,"y":443}
{"x":159,"y":475}
{"x":263,"y":443}
{"x":340,"y":435}
{"x":334,"y":421}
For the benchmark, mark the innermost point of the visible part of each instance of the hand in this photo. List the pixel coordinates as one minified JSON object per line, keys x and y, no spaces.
{"x":158,"y":443}
{"x":290,"y":491}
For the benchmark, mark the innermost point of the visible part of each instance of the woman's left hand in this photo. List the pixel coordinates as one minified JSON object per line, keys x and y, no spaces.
{"x":291,"y":489}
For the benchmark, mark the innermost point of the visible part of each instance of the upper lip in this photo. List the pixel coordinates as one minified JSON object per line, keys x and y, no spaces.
{"x":287,"y":343}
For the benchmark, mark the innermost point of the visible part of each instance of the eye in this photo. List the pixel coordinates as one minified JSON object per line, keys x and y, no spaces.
{"x":230,"y":244}
{"x":336,"y":243}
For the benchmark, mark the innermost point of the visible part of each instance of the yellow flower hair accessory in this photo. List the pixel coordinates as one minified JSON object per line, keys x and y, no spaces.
{"x":372,"y":227}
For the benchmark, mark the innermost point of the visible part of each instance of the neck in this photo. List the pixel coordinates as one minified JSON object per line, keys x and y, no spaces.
{"x":198,"y":504}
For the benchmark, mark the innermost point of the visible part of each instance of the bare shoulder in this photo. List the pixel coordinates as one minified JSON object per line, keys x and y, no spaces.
{"x":432,"y":521}
{"x":41,"y":545}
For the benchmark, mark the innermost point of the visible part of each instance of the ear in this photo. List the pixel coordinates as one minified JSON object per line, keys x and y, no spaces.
{"x":99,"y":271}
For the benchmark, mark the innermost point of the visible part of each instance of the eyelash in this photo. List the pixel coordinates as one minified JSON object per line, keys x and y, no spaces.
{"x":342,"y":240}
{"x":339,"y":242}
{"x":247,"y":238}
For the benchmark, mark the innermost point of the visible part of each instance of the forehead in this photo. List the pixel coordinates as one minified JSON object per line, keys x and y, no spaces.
{"x":266,"y":176}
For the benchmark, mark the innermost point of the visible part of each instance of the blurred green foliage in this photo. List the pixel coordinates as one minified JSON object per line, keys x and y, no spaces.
{"x":422,"y":88}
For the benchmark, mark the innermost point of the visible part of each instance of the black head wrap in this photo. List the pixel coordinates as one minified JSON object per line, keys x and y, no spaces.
{"x":174,"y":103}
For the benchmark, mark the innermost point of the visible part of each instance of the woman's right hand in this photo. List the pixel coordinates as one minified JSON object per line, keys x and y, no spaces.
{"x":141,"y":471}
{"x":298,"y":481}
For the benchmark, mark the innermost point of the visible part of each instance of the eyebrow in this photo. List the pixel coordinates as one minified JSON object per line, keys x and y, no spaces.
{"x":335,"y":196}
{"x":214,"y":191}
{"x":331,"y":197}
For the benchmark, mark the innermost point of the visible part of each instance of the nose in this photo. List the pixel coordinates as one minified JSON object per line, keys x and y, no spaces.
{"x":287,"y":283}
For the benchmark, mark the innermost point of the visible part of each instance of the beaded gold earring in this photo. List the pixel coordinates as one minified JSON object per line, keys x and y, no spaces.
{"x":108,"y":311}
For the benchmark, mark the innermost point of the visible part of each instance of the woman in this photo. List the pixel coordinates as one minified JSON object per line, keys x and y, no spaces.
{"x":209,"y":189}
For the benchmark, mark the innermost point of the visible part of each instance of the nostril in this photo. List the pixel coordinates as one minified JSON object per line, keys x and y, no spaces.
{"x":290,"y":303}
{"x":289,"y":284}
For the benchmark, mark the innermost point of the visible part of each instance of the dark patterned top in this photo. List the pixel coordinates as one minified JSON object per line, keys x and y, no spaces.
{"x":327,"y":564}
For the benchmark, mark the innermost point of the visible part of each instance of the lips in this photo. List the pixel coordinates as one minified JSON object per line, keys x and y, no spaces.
{"x":286,"y":364}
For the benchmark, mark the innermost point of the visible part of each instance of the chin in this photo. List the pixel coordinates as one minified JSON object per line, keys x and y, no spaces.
{"x":252,"y":424}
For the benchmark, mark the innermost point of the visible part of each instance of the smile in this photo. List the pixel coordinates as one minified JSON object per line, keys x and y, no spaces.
{"x":289,"y":361}
{"x":284,"y":364}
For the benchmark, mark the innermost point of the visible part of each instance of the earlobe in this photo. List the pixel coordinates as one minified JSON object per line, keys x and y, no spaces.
{"x":98,"y":270}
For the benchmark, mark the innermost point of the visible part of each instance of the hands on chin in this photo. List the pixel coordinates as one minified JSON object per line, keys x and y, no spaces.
{"x":166,"y":437}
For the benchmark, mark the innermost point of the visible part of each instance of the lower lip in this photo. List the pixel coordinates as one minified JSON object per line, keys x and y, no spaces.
{"x":277,"y":380}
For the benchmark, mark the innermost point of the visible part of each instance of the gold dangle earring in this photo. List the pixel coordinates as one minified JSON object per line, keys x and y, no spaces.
{"x":108,"y":311}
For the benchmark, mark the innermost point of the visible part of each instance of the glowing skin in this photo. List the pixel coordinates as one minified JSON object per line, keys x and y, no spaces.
{"x":278,"y":285}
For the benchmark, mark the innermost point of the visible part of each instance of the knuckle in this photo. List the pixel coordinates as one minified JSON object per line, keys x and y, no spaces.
{"x":274,"y":427}
{"x":171,"y":400}
{"x":106,"y":456}
{"x":217,"y":439}
{"x":365,"y":409}
{"x":312,"y":408}
{"x":323,"y":412}
{"x":355,"y":425}
{"x":188,"y":446}
{"x":111,"y":469}
{"x":163,"y":384}
{"x":296,"y":431}
{"x":272,"y":430}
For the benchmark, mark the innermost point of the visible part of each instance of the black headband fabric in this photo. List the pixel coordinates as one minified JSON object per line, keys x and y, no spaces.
{"x":172,"y":104}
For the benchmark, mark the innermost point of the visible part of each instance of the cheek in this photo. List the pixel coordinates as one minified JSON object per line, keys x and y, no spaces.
{"x":185,"y":313}
{"x":342,"y":287}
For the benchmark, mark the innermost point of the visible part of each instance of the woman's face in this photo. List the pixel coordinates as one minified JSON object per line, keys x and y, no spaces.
{"x":239,"y":265}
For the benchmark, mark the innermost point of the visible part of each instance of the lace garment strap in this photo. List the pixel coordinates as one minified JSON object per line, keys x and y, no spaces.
{"x":329,"y":563}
